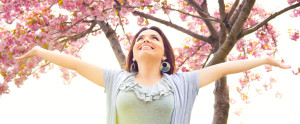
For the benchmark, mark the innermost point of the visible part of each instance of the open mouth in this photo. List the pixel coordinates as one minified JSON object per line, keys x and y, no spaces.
{"x":146,"y":47}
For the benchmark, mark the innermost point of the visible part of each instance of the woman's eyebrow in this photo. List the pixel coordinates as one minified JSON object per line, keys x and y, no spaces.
{"x":140,"y":36}
{"x":154,"y":35}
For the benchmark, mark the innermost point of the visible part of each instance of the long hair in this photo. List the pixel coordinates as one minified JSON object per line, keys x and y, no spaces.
{"x":167,"y":46}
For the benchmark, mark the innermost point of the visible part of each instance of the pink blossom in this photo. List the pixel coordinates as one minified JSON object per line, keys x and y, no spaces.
{"x":295,"y":72}
{"x":294,"y":35}
{"x":265,"y":86}
{"x":295,"y":13}
{"x":156,"y":7}
{"x":268,"y":68}
{"x":147,"y":2}
{"x":291,"y":1}
{"x":3,"y":88}
{"x":183,"y":69}
{"x":273,"y":80}
{"x":183,"y":17}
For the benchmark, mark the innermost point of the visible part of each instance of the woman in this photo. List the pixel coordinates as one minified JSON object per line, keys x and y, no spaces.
{"x":148,"y":90}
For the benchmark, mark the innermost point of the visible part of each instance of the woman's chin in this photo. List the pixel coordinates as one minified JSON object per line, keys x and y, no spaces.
{"x":147,"y":54}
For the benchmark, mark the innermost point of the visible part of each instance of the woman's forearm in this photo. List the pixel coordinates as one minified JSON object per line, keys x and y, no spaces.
{"x":241,"y":65}
{"x":212,"y":73}
{"x":57,"y":58}
{"x":87,"y":70}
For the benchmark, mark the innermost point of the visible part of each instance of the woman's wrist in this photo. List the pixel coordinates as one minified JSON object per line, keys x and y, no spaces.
{"x":271,"y":61}
{"x":37,"y":51}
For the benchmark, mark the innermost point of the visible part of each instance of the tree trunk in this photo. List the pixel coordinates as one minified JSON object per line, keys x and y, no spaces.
{"x":221,"y":105}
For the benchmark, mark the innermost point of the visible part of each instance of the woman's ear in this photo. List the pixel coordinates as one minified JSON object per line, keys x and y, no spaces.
{"x":164,"y":57}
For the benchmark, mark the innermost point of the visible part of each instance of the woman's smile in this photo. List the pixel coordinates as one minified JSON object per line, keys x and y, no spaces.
{"x":146,"y":47}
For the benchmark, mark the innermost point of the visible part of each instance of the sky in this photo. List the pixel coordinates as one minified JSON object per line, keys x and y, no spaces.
{"x":47,"y":100}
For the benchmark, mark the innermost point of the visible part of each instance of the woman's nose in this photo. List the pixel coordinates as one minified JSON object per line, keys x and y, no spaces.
{"x":146,"y":40}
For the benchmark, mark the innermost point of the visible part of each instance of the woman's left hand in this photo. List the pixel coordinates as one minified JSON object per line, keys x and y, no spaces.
{"x":276,"y":63}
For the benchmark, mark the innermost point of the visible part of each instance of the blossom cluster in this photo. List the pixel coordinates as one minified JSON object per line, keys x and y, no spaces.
{"x":35,"y":24}
{"x":193,"y":57}
{"x":294,"y":34}
{"x":57,"y":25}
{"x":264,"y":42}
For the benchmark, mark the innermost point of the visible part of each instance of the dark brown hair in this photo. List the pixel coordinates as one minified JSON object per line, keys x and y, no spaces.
{"x":167,"y":46}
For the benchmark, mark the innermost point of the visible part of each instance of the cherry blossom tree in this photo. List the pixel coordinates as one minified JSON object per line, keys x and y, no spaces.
{"x":212,"y":36}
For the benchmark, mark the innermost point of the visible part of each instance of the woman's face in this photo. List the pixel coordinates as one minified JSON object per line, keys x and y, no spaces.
{"x":148,"y":44}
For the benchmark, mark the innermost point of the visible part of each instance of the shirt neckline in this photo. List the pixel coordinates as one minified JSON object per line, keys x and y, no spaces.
{"x":162,"y":78}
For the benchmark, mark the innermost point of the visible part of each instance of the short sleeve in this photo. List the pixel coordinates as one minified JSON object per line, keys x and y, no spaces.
{"x":192,"y":78}
{"x":187,"y":80}
{"x":110,"y":77}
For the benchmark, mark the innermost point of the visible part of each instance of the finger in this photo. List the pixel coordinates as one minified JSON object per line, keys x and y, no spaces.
{"x":286,"y":66}
{"x":19,"y":58}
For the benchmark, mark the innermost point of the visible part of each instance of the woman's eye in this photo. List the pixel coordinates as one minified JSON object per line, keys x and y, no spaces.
{"x":139,"y":39}
{"x":155,"y":38}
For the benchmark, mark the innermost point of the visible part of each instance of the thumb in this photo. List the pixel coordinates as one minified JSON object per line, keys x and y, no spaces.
{"x":19,"y":58}
{"x":26,"y":55}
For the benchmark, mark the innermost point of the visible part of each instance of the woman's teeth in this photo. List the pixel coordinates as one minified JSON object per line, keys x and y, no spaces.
{"x":145,"y":47}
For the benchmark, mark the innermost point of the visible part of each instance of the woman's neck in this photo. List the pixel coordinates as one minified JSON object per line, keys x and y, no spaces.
{"x":149,"y":73}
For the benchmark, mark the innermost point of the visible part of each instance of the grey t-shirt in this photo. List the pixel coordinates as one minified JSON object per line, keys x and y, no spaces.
{"x":185,"y":84}
{"x":139,"y":104}
{"x":131,"y":110}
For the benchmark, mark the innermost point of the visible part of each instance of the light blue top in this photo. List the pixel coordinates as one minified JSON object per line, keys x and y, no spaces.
{"x":185,"y":84}
{"x":139,"y":104}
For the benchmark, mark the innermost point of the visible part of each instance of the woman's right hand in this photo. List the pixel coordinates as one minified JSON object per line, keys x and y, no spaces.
{"x":30,"y":53}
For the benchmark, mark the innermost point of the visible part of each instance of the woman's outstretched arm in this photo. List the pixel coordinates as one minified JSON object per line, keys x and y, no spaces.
{"x":212,"y":73}
{"x":87,"y":70}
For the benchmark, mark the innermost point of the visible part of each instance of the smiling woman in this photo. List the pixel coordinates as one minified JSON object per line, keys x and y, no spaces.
{"x":149,"y":90}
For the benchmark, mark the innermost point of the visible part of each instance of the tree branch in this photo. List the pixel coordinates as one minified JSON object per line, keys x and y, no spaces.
{"x":120,"y":20}
{"x":223,"y":28}
{"x":222,"y":9}
{"x":191,"y":55}
{"x":242,"y":18}
{"x":207,"y":59}
{"x":196,"y":16}
{"x":209,"y":18}
{"x":257,"y":26}
{"x":204,"y":13}
{"x":114,"y":42}
{"x":236,"y":3}
{"x":179,"y":28}
{"x":72,"y":25}
{"x":167,"y":15}
{"x":273,"y":38}
{"x":77,"y":36}
{"x":234,"y":34}
{"x":117,"y":2}
{"x":237,"y":12}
